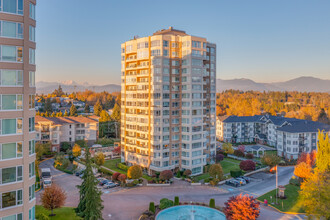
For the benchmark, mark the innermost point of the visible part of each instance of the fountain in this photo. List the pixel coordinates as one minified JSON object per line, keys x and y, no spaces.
{"x":190,"y":212}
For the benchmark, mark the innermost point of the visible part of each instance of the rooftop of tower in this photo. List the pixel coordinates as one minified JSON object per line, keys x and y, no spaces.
{"x":170,"y":30}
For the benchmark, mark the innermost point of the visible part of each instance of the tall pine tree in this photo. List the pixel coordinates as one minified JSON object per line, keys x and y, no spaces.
{"x":98,"y":108}
{"x":73,"y":110}
{"x":90,"y":206}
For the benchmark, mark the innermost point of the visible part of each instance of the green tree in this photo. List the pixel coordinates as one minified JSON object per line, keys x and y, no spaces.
{"x":86,"y":110}
{"x":104,"y":116}
{"x":97,"y":108}
{"x":73,"y":110}
{"x":90,"y":205}
{"x":215,"y":171}
{"x":134,"y":172}
{"x":116,"y":113}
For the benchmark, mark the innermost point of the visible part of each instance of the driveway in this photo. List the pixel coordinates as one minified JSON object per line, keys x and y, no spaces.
{"x":66,"y":181}
{"x":128,"y":204}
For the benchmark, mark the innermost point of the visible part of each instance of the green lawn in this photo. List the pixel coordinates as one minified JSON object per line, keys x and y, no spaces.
{"x":61,"y":213}
{"x":292,"y":203}
{"x":111,"y":164}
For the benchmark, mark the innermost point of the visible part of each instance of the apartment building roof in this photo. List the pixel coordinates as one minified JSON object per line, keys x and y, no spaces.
{"x":170,"y":31}
{"x":234,"y":118}
{"x":301,"y":126}
{"x":63,"y":120}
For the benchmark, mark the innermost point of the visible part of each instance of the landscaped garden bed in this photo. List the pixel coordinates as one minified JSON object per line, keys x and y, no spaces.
{"x":291,"y":203}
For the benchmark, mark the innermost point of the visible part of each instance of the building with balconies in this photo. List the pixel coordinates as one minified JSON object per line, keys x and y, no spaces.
{"x":56,"y":130}
{"x":168,"y":101}
{"x":289,"y":135}
{"x":17,"y":92}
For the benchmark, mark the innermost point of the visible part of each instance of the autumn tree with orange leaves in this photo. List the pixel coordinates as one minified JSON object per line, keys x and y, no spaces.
{"x":303,"y":170}
{"x":52,"y":198}
{"x":243,"y":207}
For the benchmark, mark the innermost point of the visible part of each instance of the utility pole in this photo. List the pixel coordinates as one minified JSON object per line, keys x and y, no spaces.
{"x":276,"y":185}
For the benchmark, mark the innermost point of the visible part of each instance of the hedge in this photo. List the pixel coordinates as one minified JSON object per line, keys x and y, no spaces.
{"x":105,"y":171}
{"x":122,"y":166}
{"x":236,"y":173}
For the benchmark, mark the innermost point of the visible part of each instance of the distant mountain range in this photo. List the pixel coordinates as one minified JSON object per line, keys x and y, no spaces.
{"x":71,"y":86}
{"x":301,"y":84}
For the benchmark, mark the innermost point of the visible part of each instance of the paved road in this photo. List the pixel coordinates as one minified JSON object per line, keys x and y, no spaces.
{"x":128,"y":204}
{"x":66,"y":181}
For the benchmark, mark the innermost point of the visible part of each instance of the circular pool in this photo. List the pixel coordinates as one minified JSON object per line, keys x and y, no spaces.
{"x":190,"y":212}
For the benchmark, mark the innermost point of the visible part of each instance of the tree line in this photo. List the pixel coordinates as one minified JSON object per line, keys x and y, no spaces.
{"x":313,"y":106}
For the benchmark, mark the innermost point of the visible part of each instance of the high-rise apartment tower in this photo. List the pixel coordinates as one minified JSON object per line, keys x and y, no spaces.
{"x":17,"y":91}
{"x":168,"y":101}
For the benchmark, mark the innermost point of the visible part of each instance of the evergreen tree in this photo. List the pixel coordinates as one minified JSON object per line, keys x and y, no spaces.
{"x":73,"y":110}
{"x":97,"y":108}
{"x":66,"y":114}
{"x":53,"y":114}
{"x":48,"y":105}
{"x":86,"y":110}
{"x":90,"y":206}
{"x":116,"y":113}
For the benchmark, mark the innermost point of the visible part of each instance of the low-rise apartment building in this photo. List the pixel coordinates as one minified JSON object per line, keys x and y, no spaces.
{"x":289,"y":135}
{"x":57,"y":130}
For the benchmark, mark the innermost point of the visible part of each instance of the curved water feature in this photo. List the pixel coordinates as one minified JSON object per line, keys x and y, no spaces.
{"x":190,"y":212}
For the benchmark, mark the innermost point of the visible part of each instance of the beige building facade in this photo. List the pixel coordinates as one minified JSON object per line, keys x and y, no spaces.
{"x":57,"y":130}
{"x":17,"y":91}
{"x":168,"y":101}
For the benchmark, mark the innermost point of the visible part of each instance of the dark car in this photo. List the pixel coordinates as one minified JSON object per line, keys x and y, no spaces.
{"x":233,"y":183}
{"x":78,"y":173}
{"x":103,"y":182}
{"x":247,"y":179}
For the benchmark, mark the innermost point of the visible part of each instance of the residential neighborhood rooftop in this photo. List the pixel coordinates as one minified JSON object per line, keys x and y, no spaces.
{"x":64,"y":120}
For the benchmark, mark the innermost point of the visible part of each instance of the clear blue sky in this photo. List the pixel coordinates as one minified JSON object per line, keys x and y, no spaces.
{"x":264,"y":40}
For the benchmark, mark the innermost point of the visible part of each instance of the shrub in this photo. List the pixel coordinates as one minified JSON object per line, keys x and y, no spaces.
{"x":122,"y":178}
{"x":187,"y":172}
{"x":214,"y":182}
{"x":122,"y":166}
{"x":178,"y":174}
{"x":115,"y":176}
{"x":176,"y":200}
{"x":165,"y":203}
{"x":236,"y":173}
{"x":239,"y":153}
{"x":212,"y":203}
{"x":249,"y":156}
{"x":219,"y":157}
{"x":270,"y":160}
{"x":228,"y":148}
{"x":215,"y":171}
{"x":242,"y":207}
{"x":247,"y":165}
{"x":42,"y":216}
{"x":105,"y":171}
{"x":241,"y":148}
{"x":166,"y":175}
{"x":134,"y":172}
{"x":152,"y":207}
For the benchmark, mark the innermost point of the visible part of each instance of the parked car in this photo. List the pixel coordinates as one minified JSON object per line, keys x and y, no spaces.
{"x":110,"y":185}
{"x":233,"y":182}
{"x":100,"y":179}
{"x":247,"y":179}
{"x":241,"y":180}
{"x":102,"y":182}
{"x":78,"y":173}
